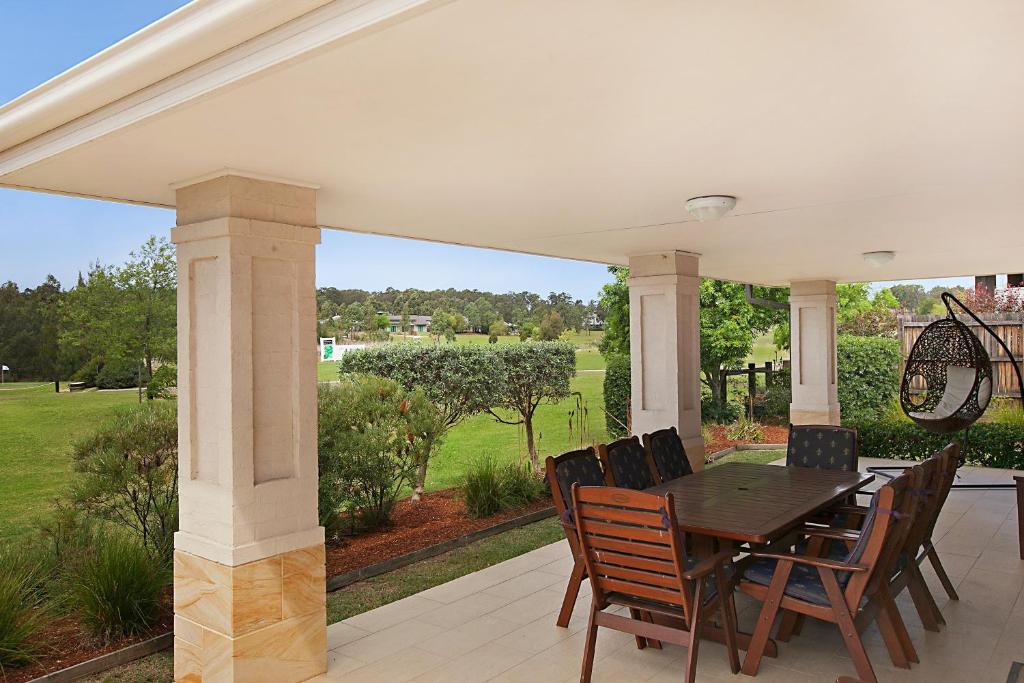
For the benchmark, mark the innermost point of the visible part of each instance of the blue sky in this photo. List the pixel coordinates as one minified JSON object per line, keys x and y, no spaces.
{"x":41,"y":234}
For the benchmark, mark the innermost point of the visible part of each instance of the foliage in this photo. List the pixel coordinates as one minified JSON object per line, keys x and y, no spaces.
{"x":373,"y":434}
{"x":1006,"y":412}
{"x":531,"y":373}
{"x":551,"y":327}
{"x":1003,"y":301}
{"x":490,"y":488}
{"x":121,"y":373}
{"x":29,"y":329}
{"x":498,"y":328}
{"x":128,"y":474}
{"x":779,"y":395}
{"x":526,"y":331}
{"x":23,"y":613}
{"x":163,"y":380}
{"x":714,"y":412}
{"x":118,"y":587}
{"x":615,"y":302}
{"x":745,"y":430}
{"x":617,"y":394}
{"x":989,"y":444}
{"x":868,"y":374}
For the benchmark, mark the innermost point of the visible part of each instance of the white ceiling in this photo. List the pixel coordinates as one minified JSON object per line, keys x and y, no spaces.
{"x":578,"y":128}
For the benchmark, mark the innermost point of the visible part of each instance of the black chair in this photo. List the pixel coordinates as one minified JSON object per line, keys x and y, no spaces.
{"x":823,"y":447}
{"x":666,"y":450}
{"x":627,"y":465}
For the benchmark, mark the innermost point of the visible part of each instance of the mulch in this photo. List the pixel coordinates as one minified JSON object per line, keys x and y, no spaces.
{"x":440,"y":516}
{"x":772,"y":434}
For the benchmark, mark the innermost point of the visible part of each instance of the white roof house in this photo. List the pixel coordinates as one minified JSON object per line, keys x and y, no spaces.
{"x":571,"y":129}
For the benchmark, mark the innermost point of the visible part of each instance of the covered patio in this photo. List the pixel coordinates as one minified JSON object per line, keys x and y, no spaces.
{"x":567,"y":129}
{"x":499,"y":624}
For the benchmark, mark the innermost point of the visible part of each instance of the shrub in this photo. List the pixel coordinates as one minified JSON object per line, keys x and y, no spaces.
{"x":868,"y":373}
{"x":712,"y":412}
{"x":1006,"y":413}
{"x":88,"y":372}
{"x":120,"y":373}
{"x":23,"y":611}
{"x":372,"y":436}
{"x":490,"y":488}
{"x":165,"y":377}
{"x":128,"y":474}
{"x":745,"y":430}
{"x":989,"y":444}
{"x":779,"y":395}
{"x":616,"y":394}
{"x":118,"y":587}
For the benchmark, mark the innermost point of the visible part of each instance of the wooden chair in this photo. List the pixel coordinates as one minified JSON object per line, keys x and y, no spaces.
{"x":636,"y":557}
{"x":824,"y":447}
{"x":666,"y":451}
{"x":575,"y":467}
{"x":833,"y":590}
{"x":949,"y":458}
{"x":627,"y":464}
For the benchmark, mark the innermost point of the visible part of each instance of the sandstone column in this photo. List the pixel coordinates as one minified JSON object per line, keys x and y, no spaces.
{"x":249,"y":593}
{"x":812,"y":315}
{"x":664,"y":341}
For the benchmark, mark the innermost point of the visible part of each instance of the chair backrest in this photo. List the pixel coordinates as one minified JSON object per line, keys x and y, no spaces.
{"x":632,"y":546}
{"x":666,"y":450}
{"x":949,"y":461}
{"x":881,"y":532}
{"x":627,"y":464}
{"x":575,"y":467}
{"x":823,"y":447}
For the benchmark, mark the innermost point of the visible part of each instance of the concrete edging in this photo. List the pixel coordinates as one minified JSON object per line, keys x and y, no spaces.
{"x":109,"y":660}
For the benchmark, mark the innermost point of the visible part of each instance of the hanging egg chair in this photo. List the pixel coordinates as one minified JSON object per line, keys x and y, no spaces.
{"x":947,"y":383}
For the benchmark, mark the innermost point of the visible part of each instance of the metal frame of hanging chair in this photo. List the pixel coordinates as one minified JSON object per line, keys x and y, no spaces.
{"x":967,"y":353}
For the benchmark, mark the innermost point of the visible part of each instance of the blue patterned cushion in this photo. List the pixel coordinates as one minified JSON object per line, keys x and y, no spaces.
{"x":669,"y":455}
{"x":804,"y":581}
{"x":628,"y":463}
{"x":583,"y":468}
{"x":822,"y":447}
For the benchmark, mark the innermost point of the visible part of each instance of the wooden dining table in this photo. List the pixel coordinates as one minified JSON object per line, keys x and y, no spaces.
{"x":723,"y":506}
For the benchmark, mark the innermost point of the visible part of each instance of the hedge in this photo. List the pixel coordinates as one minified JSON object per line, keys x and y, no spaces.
{"x":616,"y":394}
{"x":869,"y":374}
{"x":989,"y":444}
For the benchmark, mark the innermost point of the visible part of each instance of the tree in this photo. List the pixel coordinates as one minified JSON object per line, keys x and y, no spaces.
{"x":459,"y":380}
{"x":527,"y":330}
{"x":728,"y":325}
{"x":615,"y":303}
{"x":403,"y":325}
{"x":551,"y":327}
{"x":498,"y":328}
{"x":909,"y":296}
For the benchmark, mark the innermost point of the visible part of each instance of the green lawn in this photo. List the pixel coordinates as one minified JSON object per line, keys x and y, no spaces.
{"x":37,"y":428}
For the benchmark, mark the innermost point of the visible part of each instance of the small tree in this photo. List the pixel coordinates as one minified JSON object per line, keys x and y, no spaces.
{"x":552,"y":327}
{"x":128,"y":474}
{"x":459,"y":380}
{"x":534,"y":373}
{"x":373,"y":434}
{"x":527,"y":330}
{"x":404,"y":323}
{"x":498,"y":328}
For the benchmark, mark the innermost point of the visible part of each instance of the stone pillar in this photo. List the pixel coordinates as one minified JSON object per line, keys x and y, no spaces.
{"x":664,"y":342}
{"x":249,"y":575}
{"x":812,"y":320}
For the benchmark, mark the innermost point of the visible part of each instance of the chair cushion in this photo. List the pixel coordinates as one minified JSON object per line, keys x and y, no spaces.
{"x":584,"y":470}
{"x":669,"y":455}
{"x":629,"y":467}
{"x":804,"y":582}
{"x":822,"y":447}
{"x":959,"y":385}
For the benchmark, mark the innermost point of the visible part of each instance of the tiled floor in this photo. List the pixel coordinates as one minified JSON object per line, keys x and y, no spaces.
{"x":499,"y":624}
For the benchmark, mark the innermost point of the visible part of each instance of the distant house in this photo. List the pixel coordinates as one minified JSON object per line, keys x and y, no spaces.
{"x":419,"y":324}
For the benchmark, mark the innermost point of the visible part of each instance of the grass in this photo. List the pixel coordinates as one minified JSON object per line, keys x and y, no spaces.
{"x":37,"y":428}
{"x":755,"y":457}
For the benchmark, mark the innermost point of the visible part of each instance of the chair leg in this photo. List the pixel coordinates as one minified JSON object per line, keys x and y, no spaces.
{"x":572,"y":591}
{"x":787,"y":626}
{"x":894,"y":631}
{"x":766,"y":619}
{"x":641,"y":642}
{"x":927,"y":610}
{"x":933,"y":555}
{"x":727,"y":605}
{"x":799,"y":625}
{"x":901,"y":632}
{"x":696,"y":620}
{"x":588,"y":649}
{"x":847,"y":628}
{"x":651,"y":642}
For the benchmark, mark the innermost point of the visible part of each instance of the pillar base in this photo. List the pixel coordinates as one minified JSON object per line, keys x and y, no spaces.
{"x":260,"y":621}
{"x":828,"y":415}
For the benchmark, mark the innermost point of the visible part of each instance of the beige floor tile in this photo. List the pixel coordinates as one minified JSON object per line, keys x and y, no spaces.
{"x":338,"y":665}
{"x":341,"y":633}
{"x":385,"y":643}
{"x":402,"y":665}
{"x":536,"y":636}
{"x":393,"y":613}
{"x":536,"y":605}
{"x":481,"y":664}
{"x":524,"y":584}
{"x":468,"y":608}
{"x":468,"y":636}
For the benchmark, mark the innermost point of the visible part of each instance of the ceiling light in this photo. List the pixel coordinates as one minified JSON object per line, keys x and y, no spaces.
{"x":878,"y":259}
{"x":711,"y":207}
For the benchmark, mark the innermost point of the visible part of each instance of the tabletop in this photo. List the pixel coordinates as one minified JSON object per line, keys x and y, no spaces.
{"x":755,"y":503}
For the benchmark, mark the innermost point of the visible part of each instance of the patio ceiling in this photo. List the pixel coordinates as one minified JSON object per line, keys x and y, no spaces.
{"x":575,"y":129}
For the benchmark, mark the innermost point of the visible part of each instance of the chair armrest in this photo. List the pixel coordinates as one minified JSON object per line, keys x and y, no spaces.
{"x":833,"y":533}
{"x":861,"y":510}
{"x":823,"y":562}
{"x":708,"y":564}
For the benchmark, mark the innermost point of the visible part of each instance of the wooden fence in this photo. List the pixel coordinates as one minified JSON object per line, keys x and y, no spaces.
{"x":1009,"y":327}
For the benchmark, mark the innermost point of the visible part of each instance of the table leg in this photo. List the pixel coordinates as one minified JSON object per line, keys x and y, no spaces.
{"x":1020,"y":514}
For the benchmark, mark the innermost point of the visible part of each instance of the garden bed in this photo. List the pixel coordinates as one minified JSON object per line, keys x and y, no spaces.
{"x":773,"y":434}
{"x":440,"y":516}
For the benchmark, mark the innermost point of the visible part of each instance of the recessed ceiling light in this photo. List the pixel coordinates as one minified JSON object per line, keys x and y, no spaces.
{"x":878,"y":259}
{"x":710,"y":207}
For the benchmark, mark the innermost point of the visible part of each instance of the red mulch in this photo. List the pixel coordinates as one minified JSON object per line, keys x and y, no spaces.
{"x":772,"y":434}
{"x":440,"y":516}
{"x":67,"y":643}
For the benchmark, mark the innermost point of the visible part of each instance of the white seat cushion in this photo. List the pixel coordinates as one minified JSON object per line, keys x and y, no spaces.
{"x":959,"y":384}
